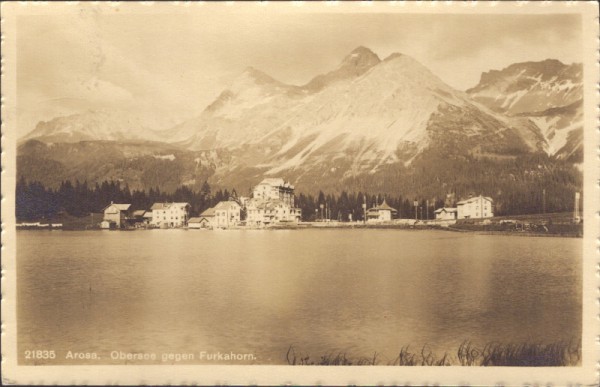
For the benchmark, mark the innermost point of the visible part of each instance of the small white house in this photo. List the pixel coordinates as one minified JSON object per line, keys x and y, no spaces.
{"x":445,"y":213}
{"x":195,"y":222}
{"x":116,"y":215}
{"x":381,"y":213}
{"x":205,"y":220}
{"x":475,"y":208}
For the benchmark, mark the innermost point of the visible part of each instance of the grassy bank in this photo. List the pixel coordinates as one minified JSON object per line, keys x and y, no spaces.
{"x":492,"y":354}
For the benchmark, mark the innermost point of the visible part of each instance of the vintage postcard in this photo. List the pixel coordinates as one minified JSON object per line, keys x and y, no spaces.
{"x":300,"y":193}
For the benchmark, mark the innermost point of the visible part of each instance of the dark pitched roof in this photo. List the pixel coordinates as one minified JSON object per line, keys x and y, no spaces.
{"x":383,"y":206}
{"x":162,"y":206}
{"x":227,"y":205}
{"x":447,"y":209}
{"x":209,"y":212}
{"x":120,"y":207}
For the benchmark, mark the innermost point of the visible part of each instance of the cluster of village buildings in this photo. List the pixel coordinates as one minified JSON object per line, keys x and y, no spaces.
{"x":272,"y":202}
{"x":472,"y":208}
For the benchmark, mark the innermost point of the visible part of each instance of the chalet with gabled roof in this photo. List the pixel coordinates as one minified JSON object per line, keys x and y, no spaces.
{"x":116,"y":215}
{"x":381,"y":213}
{"x":445,"y":213}
{"x":205,"y":220}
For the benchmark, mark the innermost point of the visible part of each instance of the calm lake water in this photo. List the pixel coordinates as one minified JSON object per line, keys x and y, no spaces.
{"x":258,"y":292}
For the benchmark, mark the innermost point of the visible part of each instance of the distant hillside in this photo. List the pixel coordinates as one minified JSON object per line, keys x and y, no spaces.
{"x":93,"y":125}
{"x":140,"y":165}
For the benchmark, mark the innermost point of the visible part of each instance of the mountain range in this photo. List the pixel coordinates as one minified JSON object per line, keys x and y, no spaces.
{"x":549,"y":93}
{"x":370,"y":123}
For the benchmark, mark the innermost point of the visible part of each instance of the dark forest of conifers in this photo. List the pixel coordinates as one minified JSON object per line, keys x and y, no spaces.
{"x":35,"y":201}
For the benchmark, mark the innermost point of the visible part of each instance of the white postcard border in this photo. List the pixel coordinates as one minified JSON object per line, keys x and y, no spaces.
{"x":322,"y":375}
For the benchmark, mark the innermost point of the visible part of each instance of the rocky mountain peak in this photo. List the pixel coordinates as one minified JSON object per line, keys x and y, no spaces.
{"x":527,"y":74}
{"x":355,"y":64}
{"x":361,"y":57}
{"x":549,"y":93}
{"x":251,"y":86}
{"x":530,"y":86}
{"x":547,"y":67}
{"x":258,"y":76}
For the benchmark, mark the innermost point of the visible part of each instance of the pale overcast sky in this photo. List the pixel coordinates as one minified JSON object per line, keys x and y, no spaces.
{"x":167,"y":67}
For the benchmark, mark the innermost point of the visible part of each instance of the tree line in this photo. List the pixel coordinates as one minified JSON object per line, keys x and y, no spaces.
{"x":34,"y":201}
{"x":349,"y":206}
{"x":527,"y":184}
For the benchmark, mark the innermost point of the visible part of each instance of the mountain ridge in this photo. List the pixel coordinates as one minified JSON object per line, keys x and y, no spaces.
{"x":361,"y":122}
{"x":92,"y":125}
{"x":378,"y":114}
{"x":549,"y":93}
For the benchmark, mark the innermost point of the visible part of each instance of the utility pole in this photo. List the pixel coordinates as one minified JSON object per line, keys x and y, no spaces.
{"x":364,"y":206}
{"x":416,"y":203}
{"x":576,"y":209}
{"x":544,"y":201}
{"x":427,"y":210}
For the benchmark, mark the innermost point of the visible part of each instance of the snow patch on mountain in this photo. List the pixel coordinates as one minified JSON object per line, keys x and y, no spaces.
{"x":169,"y":157}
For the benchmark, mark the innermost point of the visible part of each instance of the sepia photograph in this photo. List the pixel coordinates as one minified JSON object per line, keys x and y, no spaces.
{"x":192,"y":190}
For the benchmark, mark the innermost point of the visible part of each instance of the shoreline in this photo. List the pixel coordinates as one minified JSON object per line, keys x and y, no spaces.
{"x":344,"y":226}
{"x":438,"y":228}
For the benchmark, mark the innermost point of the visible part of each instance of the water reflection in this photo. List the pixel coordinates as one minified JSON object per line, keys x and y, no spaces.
{"x":359,"y":291}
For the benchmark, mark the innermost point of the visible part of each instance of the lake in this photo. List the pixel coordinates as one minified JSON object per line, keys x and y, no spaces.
{"x":257,"y":292}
